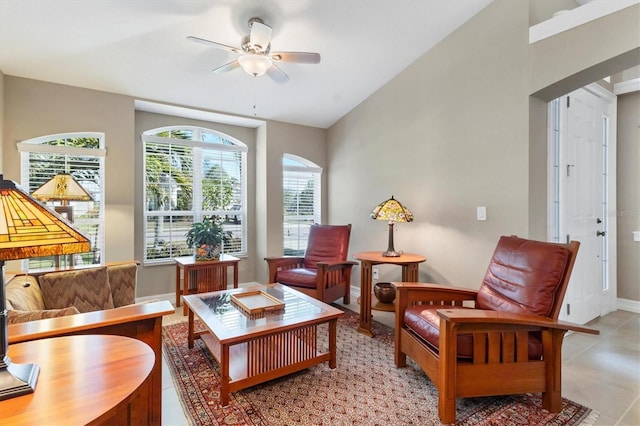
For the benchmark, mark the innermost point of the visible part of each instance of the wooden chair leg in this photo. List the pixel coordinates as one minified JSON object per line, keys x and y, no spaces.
{"x":552,"y":344}
{"x":447,"y":373}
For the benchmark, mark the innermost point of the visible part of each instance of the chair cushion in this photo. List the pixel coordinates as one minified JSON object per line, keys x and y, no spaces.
{"x":299,"y":277}
{"x":326,"y":243}
{"x":86,"y":289}
{"x":424,"y":321}
{"x":23,"y":293}
{"x":523,"y":276}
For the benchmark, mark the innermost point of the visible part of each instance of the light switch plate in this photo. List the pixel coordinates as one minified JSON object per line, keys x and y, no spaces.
{"x":481,"y":213}
{"x":636,"y":235}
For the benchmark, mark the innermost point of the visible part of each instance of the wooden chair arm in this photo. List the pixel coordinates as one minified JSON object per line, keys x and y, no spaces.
{"x":336,"y":265}
{"x":409,"y":293}
{"x":333,"y":273}
{"x":88,"y":321}
{"x":282,"y":262}
{"x":477,"y":320}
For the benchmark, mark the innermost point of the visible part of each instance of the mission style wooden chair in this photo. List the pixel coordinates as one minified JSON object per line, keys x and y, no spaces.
{"x":323,"y":272}
{"x":506,"y":339}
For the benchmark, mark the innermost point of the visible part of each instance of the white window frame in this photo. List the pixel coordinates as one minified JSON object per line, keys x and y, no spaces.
{"x":196,"y":212}
{"x":295,"y":226}
{"x":35,"y":145}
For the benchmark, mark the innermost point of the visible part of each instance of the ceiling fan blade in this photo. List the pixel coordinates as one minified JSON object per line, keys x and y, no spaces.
{"x":260,"y":36}
{"x":214,"y":44}
{"x":299,"y":57}
{"x":226,"y":67}
{"x":277,"y":74}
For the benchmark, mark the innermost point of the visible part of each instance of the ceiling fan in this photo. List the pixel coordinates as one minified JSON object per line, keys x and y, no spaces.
{"x":256,"y":58}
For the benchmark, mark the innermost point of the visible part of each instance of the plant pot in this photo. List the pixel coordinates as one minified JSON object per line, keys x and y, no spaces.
{"x":384,"y":292}
{"x":207,"y":252}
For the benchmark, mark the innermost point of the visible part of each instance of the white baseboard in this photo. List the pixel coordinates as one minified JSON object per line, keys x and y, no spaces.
{"x":355,"y":292}
{"x":171,"y":297}
{"x":629,"y":305}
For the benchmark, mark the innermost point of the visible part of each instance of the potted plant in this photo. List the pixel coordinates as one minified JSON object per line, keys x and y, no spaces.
{"x":207,"y":238}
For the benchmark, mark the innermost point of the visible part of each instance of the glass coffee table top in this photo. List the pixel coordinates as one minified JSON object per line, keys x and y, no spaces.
{"x":221,"y":307}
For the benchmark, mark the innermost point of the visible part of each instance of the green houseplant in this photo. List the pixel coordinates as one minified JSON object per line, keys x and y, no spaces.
{"x":207,"y":238}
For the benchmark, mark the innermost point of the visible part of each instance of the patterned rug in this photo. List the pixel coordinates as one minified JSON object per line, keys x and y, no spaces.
{"x":365,"y":389}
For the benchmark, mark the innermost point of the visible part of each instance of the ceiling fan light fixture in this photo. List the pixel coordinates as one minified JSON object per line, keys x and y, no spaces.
{"x":255,"y":56}
{"x":255,"y":65}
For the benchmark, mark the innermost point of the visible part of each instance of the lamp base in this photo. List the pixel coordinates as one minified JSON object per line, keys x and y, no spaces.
{"x":17,"y":379}
{"x":391,"y":251}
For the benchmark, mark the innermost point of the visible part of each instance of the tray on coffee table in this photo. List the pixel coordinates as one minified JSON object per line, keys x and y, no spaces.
{"x":256,"y":303}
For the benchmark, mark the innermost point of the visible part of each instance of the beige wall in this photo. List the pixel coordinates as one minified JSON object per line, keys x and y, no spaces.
{"x":449,"y":134}
{"x":280,"y":138}
{"x":458,"y":129}
{"x":35,"y":108}
{"x":628,"y":210}
{"x":584,"y":54}
{"x":561,"y":64}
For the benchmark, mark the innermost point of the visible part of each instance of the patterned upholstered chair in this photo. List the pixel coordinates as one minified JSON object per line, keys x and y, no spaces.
{"x":323,"y":272}
{"x":41,"y":295}
{"x":506,"y":339}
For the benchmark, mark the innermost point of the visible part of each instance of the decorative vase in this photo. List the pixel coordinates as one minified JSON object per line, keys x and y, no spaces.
{"x":207,"y":252}
{"x":384,"y":292}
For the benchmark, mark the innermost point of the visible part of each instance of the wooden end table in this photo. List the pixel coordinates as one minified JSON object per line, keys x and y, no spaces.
{"x":203,"y":276}
{"x":84,"y":380}
{"x":252,"y":351}
{"x":409,"y":263}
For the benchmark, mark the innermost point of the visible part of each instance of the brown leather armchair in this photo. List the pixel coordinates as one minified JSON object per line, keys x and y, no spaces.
{"x":506,"y":339}
{"x":323,"y":272}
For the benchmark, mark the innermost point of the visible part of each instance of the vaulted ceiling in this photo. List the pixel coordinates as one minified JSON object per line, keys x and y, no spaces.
{"x":140,"y":48}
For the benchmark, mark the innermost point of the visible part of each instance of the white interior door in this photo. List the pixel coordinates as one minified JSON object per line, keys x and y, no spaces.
{"x":582,"y":199}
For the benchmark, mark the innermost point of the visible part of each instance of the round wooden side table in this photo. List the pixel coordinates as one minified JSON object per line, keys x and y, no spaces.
{"x":409,"y":263}
{"x":84,"y":379}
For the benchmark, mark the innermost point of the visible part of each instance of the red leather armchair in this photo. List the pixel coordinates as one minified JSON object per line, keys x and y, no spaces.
{"x":505,"y":339}
{"x":323,"y":272}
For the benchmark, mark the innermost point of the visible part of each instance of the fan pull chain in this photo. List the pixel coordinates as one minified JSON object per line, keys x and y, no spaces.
{"x":255,"y":96}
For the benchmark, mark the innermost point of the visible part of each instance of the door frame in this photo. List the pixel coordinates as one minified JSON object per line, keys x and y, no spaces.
{"x":555,"y":191}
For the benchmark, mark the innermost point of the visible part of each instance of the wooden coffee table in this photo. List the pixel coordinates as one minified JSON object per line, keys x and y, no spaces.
{"x":251,"y":351}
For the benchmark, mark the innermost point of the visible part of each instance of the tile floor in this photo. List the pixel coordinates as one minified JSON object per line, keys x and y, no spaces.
{"x":601,"y":372}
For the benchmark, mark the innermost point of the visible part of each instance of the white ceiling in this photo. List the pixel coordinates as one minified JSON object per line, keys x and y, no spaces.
{"x":139,"y":48}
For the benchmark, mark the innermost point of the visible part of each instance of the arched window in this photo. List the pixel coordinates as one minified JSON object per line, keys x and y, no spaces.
{"x":301,"y":195}
{"x":189,"y":173}
{"x":81,"y":155}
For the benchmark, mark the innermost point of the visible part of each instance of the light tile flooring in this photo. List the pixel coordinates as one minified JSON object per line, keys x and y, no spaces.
{"x":601,"y":372}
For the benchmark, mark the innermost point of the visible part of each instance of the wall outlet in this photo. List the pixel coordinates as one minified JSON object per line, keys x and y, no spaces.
{"x":375,"y":274}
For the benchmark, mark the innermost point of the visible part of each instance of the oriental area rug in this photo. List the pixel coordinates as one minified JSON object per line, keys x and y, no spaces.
{"x":365,"y":389}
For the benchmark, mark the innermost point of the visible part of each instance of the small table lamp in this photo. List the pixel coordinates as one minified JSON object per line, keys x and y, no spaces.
{"x":27,"y":229}
{"x":62,"y":187}
{"x":393,"y":211}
